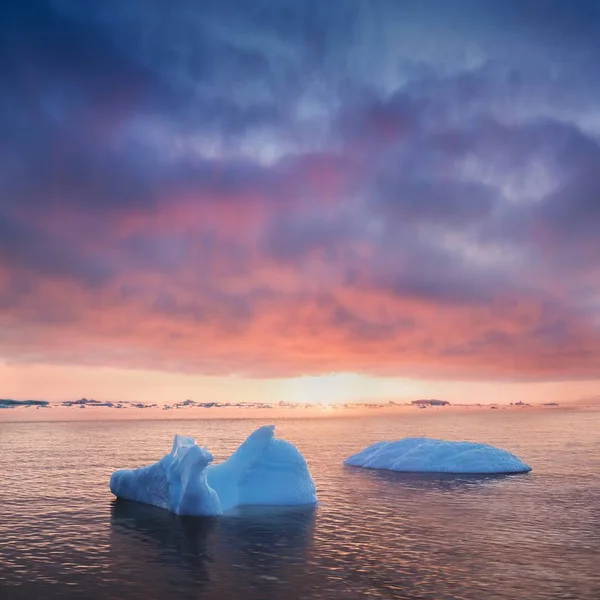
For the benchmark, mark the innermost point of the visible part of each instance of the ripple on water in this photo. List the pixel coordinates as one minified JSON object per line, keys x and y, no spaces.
{"x":374,"y":534}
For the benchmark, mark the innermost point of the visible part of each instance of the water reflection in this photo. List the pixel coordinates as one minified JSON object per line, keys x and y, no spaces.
{"x":164,"y":538}
{"x":255,"y":548}
{"x":431,"y":481}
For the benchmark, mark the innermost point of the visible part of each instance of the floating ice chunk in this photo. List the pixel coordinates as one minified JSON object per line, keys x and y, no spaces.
{"x":427,"y":455}
{"x":176,"y":482}
{"x":263,"y":470}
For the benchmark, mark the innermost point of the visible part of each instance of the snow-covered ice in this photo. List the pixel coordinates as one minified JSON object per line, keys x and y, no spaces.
{"x":262,"y":471}
{"x":426,"y":455}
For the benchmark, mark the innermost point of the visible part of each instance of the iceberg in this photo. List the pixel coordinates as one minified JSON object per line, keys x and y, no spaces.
{"x":176,"y":482}
{"x":427,"y":455}
{"x":264,"y":470}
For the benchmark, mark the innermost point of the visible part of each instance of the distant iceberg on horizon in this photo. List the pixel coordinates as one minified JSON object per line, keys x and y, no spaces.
{"x":264,"y":470}
{"x":428,"y":455}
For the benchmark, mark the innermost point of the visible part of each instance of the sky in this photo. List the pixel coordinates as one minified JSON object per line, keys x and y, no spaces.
{"x":300,"y":200}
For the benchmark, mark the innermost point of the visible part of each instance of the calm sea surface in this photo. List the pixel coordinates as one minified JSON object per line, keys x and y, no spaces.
{"x":373,"y":535}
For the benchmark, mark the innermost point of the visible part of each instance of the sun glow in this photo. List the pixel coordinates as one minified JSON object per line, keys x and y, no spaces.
{"x":327,"y":389}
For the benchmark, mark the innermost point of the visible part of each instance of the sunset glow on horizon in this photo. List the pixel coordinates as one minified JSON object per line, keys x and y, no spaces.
{"x":59,"y":383}
{"x":319,"y":202}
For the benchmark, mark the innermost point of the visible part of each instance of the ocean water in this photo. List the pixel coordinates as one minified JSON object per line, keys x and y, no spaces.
{"x":373,"y":535}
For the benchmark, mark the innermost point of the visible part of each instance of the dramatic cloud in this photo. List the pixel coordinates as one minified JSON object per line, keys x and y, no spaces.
{"x":285,"y":188}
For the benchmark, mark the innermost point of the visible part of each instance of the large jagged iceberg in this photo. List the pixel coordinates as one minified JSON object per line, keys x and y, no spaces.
{"x":426,"y":455}
{"x":262,"y":471}
{"x":176,"y":482}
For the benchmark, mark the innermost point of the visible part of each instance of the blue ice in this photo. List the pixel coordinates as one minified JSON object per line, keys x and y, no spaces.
{"x":264,"y":470}
{"x":427,"y":455}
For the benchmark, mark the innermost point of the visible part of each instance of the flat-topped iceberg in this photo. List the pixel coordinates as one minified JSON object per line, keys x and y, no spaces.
{"x":426,"y":455}
{"x":262,"y":471}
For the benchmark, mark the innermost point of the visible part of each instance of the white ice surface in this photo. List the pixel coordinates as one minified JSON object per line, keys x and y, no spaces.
{"x":262,"y":471}
{"x":426,"y":455}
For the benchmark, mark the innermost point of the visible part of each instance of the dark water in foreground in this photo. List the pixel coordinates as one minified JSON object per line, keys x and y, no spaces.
{"x":374,"y":534}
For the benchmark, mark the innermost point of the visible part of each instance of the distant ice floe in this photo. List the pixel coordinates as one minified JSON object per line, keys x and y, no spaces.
{"x":6,"y":403}
{"x":426,"y":455}
{"x":262,"y":471}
